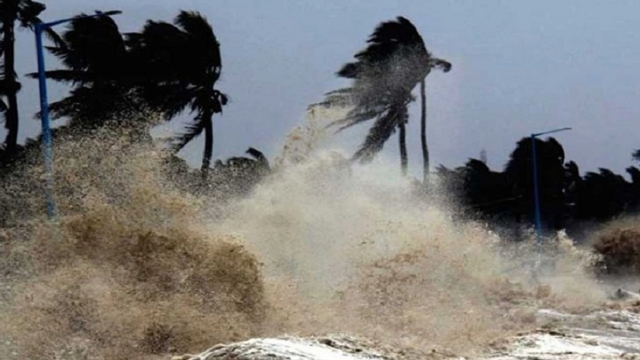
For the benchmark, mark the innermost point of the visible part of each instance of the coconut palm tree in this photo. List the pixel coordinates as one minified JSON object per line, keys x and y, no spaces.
{"x":182,"y":66}
{"x":434,"y":63}
{"x":98,"y":65}
{"x":384,"y":74}
{"x":164,"y":68}
{"x":24,"y":12}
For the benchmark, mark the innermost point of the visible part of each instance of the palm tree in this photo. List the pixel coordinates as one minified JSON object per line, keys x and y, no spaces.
{"x":101,"y":70}
{"x":551,"y":177}
{"x":26,"y":13}
{"x":164,"y":68}
{"x":384,"y":74}
{"x":444,"y":66}
{"x":182,"y":66}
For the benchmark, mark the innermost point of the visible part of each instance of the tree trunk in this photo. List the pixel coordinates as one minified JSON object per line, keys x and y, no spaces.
{"x":403,"y":147}
{"x":208,"y":143}
{"x":11,"y":116}
{"x":423,"y":131}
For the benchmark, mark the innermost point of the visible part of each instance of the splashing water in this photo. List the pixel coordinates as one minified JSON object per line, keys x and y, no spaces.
{"x":136,"y":267}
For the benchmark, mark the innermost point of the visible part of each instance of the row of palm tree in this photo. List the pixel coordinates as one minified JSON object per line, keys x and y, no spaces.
{"x":383,"y":78}
{"x":164,"y":69}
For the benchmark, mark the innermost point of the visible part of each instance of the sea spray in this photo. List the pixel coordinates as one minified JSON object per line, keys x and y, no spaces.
{"x":126,"y":270}
{"x":358,"y":249}
{"x":141,"y":268}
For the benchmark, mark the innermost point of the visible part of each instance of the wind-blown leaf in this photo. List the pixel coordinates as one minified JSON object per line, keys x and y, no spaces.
{"x":379,"y":133}
{"x":337,"y":98}
{"x":28,"y":12}
{"x":66,"y":76}
{"x":202,"y":39}
{"x":52,"y":35}
{"x":192,"y":131}
{"x":92,"y":44}
{"x":443,"y":65}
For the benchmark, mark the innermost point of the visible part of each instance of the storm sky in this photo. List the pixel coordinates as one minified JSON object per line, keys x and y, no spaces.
{"x":518,"y":67}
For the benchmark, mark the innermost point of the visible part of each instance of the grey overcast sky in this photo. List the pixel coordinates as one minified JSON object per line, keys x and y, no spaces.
{"x":518,"y":67}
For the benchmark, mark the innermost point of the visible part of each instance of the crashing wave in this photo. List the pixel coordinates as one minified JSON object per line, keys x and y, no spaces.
{"x":601,"y":334}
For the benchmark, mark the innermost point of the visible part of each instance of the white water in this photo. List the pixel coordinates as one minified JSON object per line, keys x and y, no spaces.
{"x":318,"y":248}
{"x":612,"y":335}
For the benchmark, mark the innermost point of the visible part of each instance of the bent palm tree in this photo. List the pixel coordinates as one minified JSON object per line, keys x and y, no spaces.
{"x":444,"y":66}
{"x":164,"y":68}
{"x":99,"y":67}
{"x":26,"y":13}
{"x":384,"y":74}
{"x":182,"y":66}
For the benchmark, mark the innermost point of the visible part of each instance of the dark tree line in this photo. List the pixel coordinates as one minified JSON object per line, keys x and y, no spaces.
{"x":568,"y":200}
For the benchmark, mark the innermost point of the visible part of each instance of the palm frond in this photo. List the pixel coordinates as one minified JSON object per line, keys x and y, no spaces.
{"x":202,"y":39}
{"x":168,"y":99}
{"x":337,"y":98}
{"x":389,"y":38}
{"x":28,"y":12}
{"x":371,"y":108}
{"x":160,"y":47}
{"x":53,"y":36}
{"x":441,"y":64}
{"x":256,"y":154}
{"x":74,"y":106}
{"x":350,"y":70}
{"x":222,"y":97}
{"x":92,"y":44}
{"x":207,"y":101}
{"x":195,"y":24}
{"x":92,"y":106}
{"x":193,"y":130}
{"x":65,"y":76}
{"x":3,"y":109}
{"x":70,"y":107}
{"x":379,"y":133}
{"x":355,"y":117}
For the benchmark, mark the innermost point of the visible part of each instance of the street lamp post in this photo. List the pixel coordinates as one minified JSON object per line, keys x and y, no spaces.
{"x":44,"y":107}
{"x":536,"y":195}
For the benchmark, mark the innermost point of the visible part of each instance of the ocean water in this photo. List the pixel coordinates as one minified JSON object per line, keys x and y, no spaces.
{"x":134,"y":267}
